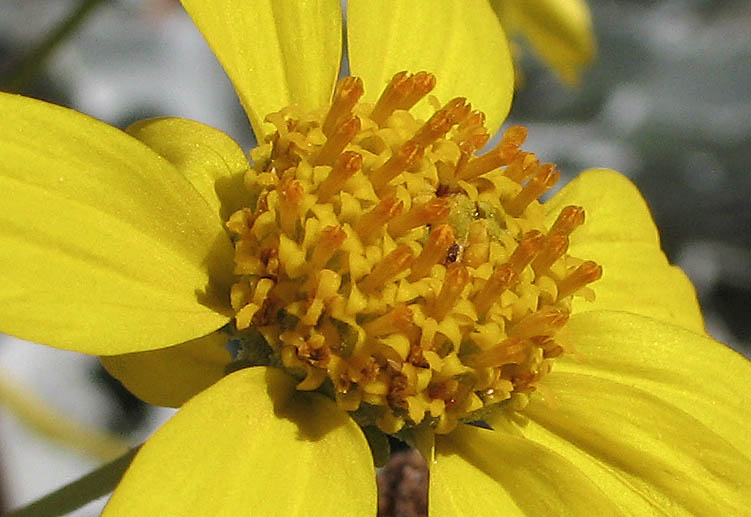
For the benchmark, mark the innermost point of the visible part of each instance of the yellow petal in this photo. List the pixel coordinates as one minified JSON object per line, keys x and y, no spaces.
{"x":275,"y":53}
{"x":560,"y":31}
{"x":170,"y":376}
{"x":619,"y":234}
{"x":251,"y":444}
{"x":696,"y":374}
{"x":105,"y":248}
{"x":483,"y":472}
{"x":208,"y":158}
{"x":655,"y":414}
{"x":460,"y":41}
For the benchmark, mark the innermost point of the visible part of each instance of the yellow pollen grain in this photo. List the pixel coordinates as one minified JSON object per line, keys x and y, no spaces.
{"x":389,"y":266}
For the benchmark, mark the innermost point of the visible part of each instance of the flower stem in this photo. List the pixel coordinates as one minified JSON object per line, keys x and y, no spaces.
{"x":52,"y":424}
{"x":76,"y":494}
{"x":24,"y":71}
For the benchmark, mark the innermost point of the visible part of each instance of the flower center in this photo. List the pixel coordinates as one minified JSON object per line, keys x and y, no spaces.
{"x":383,"y":263}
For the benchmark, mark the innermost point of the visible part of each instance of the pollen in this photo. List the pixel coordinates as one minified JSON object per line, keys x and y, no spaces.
{"x":383,"y":262}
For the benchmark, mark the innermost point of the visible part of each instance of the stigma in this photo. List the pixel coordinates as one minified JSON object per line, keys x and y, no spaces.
{"x":385,"y":263}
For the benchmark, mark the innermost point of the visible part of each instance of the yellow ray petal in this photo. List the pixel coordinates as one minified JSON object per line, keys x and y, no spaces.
{"x":619,"y":234}
{"x":275,"y":53}
{"x":482,"y":472}
{"x":637,"y":278}
{"x":208,"y":158}
{"x":170,"y":376}
{"x":105,"y":248}
{"x":656,"y":415}
{"x":615,"y":210}
{"x":460,"y":41}
{"x":560,"y":31}
{"x":252,"y":444}
{"x":696,"y":374}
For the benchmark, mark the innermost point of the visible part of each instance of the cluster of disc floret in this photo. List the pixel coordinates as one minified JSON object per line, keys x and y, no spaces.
{"x":383,"y":263}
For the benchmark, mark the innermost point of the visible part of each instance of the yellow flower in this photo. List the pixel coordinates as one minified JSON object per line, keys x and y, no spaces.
{"x":375,"y":273}
{"x":559,"y":31}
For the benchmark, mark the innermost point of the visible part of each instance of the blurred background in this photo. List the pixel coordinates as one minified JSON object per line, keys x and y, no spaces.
{"x":667,"y":102}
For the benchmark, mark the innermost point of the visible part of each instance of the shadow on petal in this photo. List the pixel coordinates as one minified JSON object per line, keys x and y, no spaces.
{"x":314,"y":415}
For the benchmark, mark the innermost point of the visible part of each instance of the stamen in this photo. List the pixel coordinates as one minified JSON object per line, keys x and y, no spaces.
{"x":332,"y":237}
{"x":471,"y":132}
{"x":378,"y":217}
{"x":433,"y":211}
{"x":570,"y":218}
{"x":503,"y":153}
{"x":402,"y":92}
{"x":456,"y":279}
{"x":422,"y":84}
{"x":348,"y":91}
{"x":509,"y":351}
{"x":531,"y":243}
{"x":346,"y":165}
{"x":522,"y":166}
{"x":290,"y":199}
{"x":544,"y":322}
{"x":396,"y":91}
{"x":554,"y":248}
{"x":434,"y":251}
{"x":543,"y":181}
{"x":585,"y":274}
{"x":391,"y":265}
{"x":397,"y":320}
{"x":441,"y":121}
{"x":502,"y":278}
{"x":403,"y":159}
{"x":336,"y":143}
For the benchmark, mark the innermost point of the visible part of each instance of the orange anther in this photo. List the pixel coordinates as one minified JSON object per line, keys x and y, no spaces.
{"x":290,"y":198}
{"x":475,"y":119}
{"x":456,"y":278}
{"x":335,"y":144}
{"x":529,"y":246}
{"x":570,"y":218}
{"x":348,"y":91}
{"x":402,"y":92}
{"x":555,"y":246}
{"x":586,"y":273}
{"x":442,"y":121}
{"x":400,"y":161}
{"x":422,"y":84}
{"x":502,"y":278}
{"x":514,"y":136}
{"x":332,"y":237}
{"x":439,"y":241}
{"x":543,"y":180}
{"x":378,"y":217}
{"x":346,"y":165}
{"x":545,"y":322}
{"x":512,"y":350}
{"x":390,"y":266}
{"x":424,"y":213}
{"x":399,"y":319}
{"x":522,"y":166}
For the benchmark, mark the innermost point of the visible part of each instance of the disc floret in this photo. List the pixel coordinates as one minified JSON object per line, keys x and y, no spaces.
{"x":383,"y":263}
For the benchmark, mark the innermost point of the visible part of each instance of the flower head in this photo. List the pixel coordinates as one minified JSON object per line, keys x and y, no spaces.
{"x":415,"y":282}
{"x":370,"y":273}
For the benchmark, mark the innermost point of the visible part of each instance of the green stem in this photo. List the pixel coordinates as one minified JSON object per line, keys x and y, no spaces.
{"x":25,"y":70}
{"x":84,"y":490}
